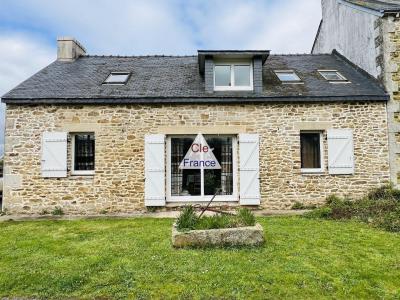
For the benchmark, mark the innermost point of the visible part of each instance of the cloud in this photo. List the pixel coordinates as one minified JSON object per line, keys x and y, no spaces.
{"x":21,"y":57}
{"x":171,"y":27}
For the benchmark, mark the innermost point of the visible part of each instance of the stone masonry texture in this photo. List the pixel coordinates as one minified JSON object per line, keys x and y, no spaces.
{"x":118,"y":183}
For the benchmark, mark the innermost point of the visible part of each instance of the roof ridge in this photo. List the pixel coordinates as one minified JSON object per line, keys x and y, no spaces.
{"x":299,"y":54}
{"x":135,"y":56}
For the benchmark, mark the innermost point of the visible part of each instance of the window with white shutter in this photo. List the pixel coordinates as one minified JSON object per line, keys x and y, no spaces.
{"x":340,"y":151}
{"x":54,"y":154}
{"x":154,"y":170}
{"x":249,"y":169}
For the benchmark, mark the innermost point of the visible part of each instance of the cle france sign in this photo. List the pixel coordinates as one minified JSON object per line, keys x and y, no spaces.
{"x":199,"y":156}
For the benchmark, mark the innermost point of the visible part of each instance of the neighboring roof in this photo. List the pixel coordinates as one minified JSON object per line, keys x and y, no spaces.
{"x":383,"y":6}
{"x":167,"y":79}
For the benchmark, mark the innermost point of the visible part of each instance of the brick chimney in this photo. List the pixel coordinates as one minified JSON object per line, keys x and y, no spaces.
{"x":69,"y":49}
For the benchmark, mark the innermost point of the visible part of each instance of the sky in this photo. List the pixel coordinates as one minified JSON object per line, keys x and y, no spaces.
{"x":29,"y":29}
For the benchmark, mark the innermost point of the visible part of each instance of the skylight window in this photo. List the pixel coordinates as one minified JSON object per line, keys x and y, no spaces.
{"x":117,"y":78}
{"x":332,"y":75}
{"x":287,"y":76}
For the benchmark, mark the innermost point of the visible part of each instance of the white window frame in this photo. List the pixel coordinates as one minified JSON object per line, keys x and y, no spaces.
{"x":80,"y":172}
{"x":341,"y":80}
{"x":299,"y":81}
{"x":203,"y":198}
{"x":321,"y":151}
{"x":232,"y":64}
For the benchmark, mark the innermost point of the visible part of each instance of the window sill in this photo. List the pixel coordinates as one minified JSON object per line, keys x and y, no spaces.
{"x":312,"y":172}
{"x":84,"y":173}
{"x":233,"y":89}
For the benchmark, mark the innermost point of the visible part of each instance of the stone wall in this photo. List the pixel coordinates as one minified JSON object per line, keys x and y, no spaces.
{"x":388,"y":61}
{"x":118,"y":184}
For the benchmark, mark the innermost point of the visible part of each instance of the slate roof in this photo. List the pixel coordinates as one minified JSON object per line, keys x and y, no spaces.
{"x":378,"y":5}
{"x":164,"y":79}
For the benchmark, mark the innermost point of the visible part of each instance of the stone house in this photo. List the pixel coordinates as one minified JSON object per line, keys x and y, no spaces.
{"x":368,"y":34}
{"x":107,"y":133}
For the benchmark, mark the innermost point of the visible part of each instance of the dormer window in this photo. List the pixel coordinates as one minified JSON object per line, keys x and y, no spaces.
{"x":287,"y":76}
{"x":117,"y":78}
{"x":237,"y":76}
{"x":332,"y":76}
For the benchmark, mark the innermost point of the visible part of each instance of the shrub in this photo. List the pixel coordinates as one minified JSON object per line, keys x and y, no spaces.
{"x":385,"y":192}
{"x":379,"y":208}
{"x":246,"y":217}
{"x":57,"y":211}
{"x":187,"y":218}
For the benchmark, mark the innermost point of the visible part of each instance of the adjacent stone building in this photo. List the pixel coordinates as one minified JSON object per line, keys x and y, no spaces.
{"x":368,"y":34}
{"x":94,"y":134}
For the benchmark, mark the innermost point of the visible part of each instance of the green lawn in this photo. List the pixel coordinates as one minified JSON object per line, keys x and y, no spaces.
{"x":301,"y":259}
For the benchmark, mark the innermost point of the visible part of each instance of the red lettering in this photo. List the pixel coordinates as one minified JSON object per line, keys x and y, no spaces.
{"x":199,"y":148}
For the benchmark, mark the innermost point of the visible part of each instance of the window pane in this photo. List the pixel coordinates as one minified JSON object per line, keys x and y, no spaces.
{"x":310,"y":150}
{"x":117,"y":78}
{"x":220,"y":178}
{"x":222,"y":75}
{"x":242,"y":75}
{"x":287,"y":76}
{"x":183,"y":182}
{"x":84,"y":152}
{"x":331,"y":75}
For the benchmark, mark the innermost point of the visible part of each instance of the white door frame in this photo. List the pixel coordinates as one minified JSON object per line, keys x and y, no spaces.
{"x":205,"y":198}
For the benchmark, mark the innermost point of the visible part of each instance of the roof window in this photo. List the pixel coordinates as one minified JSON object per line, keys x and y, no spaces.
{"x":117,"y":78}
{"x":287,"y":76}
{"x":332,"y":75}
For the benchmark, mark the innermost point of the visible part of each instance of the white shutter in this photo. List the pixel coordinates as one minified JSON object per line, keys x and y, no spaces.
{"x":154,"y":192}
{"x":54,"y":154}
{"x":249,"y":169}
{"x":340,"y":151}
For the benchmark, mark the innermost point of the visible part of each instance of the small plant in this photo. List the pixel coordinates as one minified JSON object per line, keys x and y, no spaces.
{"x":152,"y":209}
{"x":44,"y":212}
{"x":297,"y":206}
{"x":246,"y":217}
{"x":57,"y":211}
{"x":104,"y":212}
{"x":215,"y":222}
{"x":187,"y":219}
{"x":322,"y":212}
{"x":3,"y":211}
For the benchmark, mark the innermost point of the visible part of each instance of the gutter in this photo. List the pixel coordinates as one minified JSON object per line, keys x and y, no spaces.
{"x":194,"y":100}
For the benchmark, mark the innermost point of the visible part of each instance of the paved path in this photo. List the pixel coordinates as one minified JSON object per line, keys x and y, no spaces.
{"x":162,"y":214}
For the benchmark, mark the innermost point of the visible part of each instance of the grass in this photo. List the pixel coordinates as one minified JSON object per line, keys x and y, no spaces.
{"x":119,"y":259}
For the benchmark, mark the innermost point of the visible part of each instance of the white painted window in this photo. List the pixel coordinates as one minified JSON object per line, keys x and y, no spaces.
{"x":332,"y":76}
{"x":340,"y":151}
{"x":311,"y":152}
{"x":233,"y":75}
{"x":83,"y":153}
{"x":287,"y":76}
{"x":117,"y":78}
{"x":200,"y":185}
